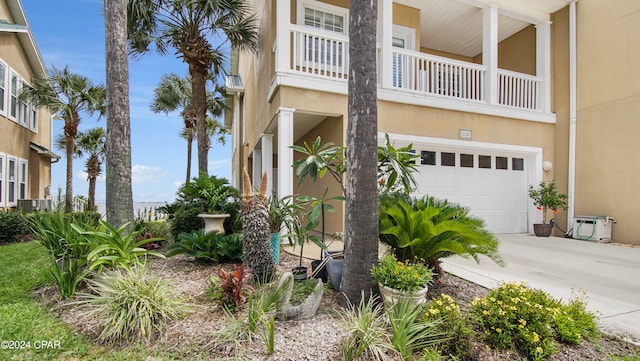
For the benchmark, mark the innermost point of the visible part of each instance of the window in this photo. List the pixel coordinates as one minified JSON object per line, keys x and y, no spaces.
{"x":428,"y":157}
{"x":24,"y":112}
{"x":33,"y":118}
{"x":484,"y":161}
{"x":466,"y":160}
{"x":13,"y":97}
{"x":317,"y":48}
{"x":403,"y":38}
{"x":22,"y":180}
{"x":12,"y":169}
{"x":501,"y":163}
{"x":517,"y":163}
{"x":3,"y":89}
{"x":448,"y":159}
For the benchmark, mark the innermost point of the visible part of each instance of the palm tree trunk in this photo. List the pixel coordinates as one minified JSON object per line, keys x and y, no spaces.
{"x":189,"y":154}
{"x":199,"y":104}
{"x":93,"y":170}
{"x":69,"y":145}
{"x":91,"y":204}
{"x":118,"y":145}
{"x":361,"y":213}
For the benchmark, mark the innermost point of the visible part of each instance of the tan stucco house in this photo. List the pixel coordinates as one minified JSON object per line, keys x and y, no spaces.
{"x":494,"y":96}
{"x":25,"y":129}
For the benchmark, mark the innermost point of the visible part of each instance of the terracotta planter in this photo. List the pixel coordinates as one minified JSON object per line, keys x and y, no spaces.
{"x":391,"y":296}
{"x":542,"y":229}
{"x":213,"y":222}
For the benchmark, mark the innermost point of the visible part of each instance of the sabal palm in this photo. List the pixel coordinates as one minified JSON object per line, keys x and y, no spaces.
{"x":92,"y":142}
{"x":66,"y":94}
{"x":191,"y":28}
{"x":428,"y":228}
{"x":174,"y":93}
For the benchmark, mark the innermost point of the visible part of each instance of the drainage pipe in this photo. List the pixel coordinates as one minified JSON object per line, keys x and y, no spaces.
{"x":572,"y":115}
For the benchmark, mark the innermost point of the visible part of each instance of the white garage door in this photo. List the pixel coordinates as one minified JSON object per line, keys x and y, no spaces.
{"x":492,"y":184}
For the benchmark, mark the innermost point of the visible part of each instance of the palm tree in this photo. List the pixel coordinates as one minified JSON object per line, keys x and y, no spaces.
{"x":118,"y":147}
{"x":361,"y":227}
{"x":92,"y":142}
{"x":173,"y":93}
{"x":187,"y":26}
{"x":67,"y":95}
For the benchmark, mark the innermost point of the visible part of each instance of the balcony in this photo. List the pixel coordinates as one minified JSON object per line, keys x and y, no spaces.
{"x":317,"y":59}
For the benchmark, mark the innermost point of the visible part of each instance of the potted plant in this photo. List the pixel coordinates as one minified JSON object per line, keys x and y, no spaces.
{"x":545,"y":197}
{"x":299,"y":226}
{"x":216,"y":194}
{"x":279,"y":211}
{"x":402,"y":280}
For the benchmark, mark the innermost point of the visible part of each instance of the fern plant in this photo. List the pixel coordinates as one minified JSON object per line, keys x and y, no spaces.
{"x":430,"y":229}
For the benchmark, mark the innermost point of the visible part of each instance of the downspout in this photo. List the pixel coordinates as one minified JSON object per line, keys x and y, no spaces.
{"x":572,"y":115}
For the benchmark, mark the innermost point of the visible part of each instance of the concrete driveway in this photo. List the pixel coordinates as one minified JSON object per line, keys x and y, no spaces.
{"x":610,"y":274}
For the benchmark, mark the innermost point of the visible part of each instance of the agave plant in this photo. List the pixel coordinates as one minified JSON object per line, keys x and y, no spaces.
{"x":428,"y":228}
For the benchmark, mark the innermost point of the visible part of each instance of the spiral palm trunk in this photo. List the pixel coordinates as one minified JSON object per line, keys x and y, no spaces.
{"x":256,"y":245}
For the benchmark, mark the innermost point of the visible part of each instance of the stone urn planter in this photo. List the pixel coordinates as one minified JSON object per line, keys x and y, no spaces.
{"x":392,"y":296}
{"x":213,"y":222}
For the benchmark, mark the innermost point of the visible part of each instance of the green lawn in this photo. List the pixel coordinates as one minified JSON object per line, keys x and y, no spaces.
{"x":22,"y":319}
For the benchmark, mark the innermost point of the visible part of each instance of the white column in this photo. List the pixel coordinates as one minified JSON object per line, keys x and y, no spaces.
{"x":490,"y":52}
{"x":543,"y":64}
{"x":256,"y":167}
{"x":236,"y":173}
{"x":267,"y":161}
{"x":285,"y":153}
{"x":385,"y":34}
{"x":573,"y":112}
{"x":283,"y":42}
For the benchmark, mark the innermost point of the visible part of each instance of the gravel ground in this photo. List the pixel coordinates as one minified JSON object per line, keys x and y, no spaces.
{"x":315,"y":339}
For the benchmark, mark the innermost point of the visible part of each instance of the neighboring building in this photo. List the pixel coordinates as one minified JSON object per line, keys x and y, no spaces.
{"x":25,"y":130}
{"x":482,"y":89}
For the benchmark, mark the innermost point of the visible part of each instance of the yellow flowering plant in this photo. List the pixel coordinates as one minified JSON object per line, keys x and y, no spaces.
{"x":445,"y":309}
{"x":403,"y":276}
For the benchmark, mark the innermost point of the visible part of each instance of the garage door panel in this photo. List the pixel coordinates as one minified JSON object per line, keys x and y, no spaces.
{"x":498,"y":196}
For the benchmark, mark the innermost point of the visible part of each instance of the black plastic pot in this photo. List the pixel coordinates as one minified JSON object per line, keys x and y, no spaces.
{"x":321,"y":273}
{"x":542,"y":229}
{"x":299,"y":273}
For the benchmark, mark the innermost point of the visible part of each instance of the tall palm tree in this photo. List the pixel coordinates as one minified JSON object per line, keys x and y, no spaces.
{"x":174,"y":93}
{"x":118,"y":147}
{"x":67,"y":95}
{"x":361,"y":212}
{"x":198,"y":31}
{"x":92,"y":142}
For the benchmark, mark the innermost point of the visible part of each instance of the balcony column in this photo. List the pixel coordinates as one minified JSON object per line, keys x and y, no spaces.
{"x":256,"y":168}
{"x":490,"y":52}
{"x":267,"y":161}
{"x":385,"y":43}
{"x":543,"y":64}
{"x":283,"y":35}
{"x":285,"y":153}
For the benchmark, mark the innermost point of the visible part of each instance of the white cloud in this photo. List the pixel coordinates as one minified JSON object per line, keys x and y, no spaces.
{"x":142,"y":174}
{"x":218,"y":164}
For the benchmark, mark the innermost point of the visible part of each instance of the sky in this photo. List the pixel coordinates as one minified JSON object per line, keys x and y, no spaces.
{"x":71,"y":33}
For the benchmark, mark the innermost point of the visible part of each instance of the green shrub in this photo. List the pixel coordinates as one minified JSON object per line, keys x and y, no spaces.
{"x":410,"y":331}
{"x":453,"y":323}
{"x":159,"y":229}
{"x":13,"y":224}
{"x":428,"y":228}
{"x":67,"y":248}
{"x":131,"y":305}
{"x":366,"y":329}
{"x":185,"y":218}
{"x":211,"y":246}
{"x":115,"y":248}
{"x":529,"y":320}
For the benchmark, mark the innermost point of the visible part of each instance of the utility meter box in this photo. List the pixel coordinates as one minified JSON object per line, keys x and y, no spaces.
{"x":592,"y":228}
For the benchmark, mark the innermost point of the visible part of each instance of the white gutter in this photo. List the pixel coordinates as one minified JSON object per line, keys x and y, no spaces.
{"x":572,"y":115}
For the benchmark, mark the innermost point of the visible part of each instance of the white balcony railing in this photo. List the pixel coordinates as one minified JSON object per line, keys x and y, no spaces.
{"x":320,"y":54}
{"x":326,"y":55}
{"x":436,"y":75}
{"x":518,"y":90}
